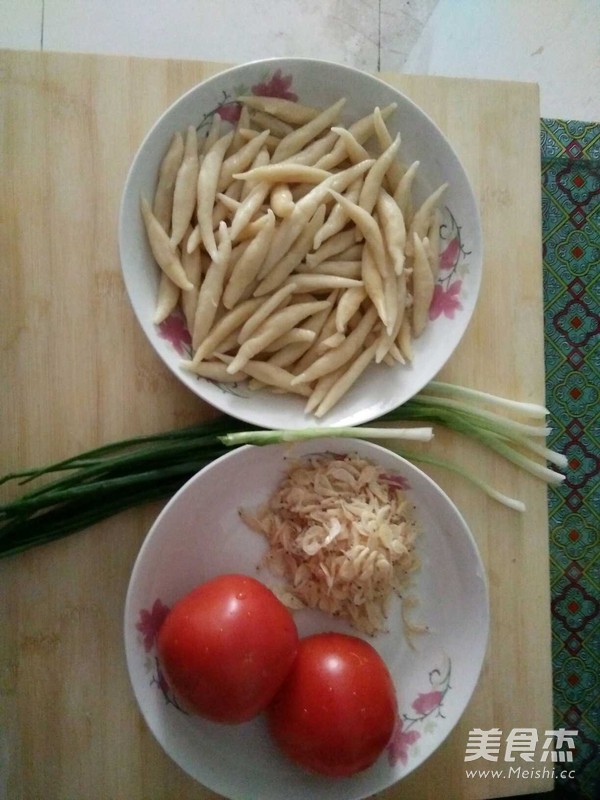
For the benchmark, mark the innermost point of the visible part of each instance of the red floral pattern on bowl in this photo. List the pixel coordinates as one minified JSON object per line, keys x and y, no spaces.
{"x":425,"y":709}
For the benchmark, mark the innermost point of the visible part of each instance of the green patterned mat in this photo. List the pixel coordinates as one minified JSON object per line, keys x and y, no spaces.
{"x":571,"y":240}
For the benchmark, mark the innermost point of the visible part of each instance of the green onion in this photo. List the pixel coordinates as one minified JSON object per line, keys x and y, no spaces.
{"x":277,"y":436}
{"x":486,"y":418}
{"x":462,"y":392}
{"x":504,"y":436}
{"x":510,"y":502}
{"x":94,"y":485}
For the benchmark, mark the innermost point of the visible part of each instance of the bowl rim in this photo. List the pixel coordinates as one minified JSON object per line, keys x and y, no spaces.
{"x":245,"y":412}
{"x":231,"y":69}
{"x":345,"y":444}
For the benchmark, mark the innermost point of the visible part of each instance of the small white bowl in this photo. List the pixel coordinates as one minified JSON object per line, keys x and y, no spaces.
{"x":199,"y":535}
{"x":317,"y":83}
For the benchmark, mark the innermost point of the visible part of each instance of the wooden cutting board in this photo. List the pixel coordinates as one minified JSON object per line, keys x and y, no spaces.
{"x":76,"y":371}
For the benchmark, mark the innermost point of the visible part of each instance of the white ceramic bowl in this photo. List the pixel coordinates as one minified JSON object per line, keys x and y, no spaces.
{"x":318,"y":83}
{"x":199,"y":535}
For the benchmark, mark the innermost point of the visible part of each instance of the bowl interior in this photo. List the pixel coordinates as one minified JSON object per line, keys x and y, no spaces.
{"x":315,"y":83}
{"x":199,"y":535}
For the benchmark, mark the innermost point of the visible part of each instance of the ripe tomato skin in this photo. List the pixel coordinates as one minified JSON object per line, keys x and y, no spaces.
{"x":336,"y":710}
{"x":225,"y":648}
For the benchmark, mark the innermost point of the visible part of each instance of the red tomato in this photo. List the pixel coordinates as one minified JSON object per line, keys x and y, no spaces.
{"x":226,"y":647}
{"x":336,"y":710}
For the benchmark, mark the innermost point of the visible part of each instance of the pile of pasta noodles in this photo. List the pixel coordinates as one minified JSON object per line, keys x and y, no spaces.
{"x":293,"y":247}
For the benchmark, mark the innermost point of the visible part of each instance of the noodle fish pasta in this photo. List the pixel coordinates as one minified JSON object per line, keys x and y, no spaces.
{"x":294,"y":248}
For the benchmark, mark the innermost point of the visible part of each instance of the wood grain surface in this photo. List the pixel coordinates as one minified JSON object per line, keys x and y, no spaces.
{"x":76,"y":371}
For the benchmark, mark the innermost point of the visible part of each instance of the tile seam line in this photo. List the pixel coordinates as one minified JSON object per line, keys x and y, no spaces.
{"x":379,"y":36}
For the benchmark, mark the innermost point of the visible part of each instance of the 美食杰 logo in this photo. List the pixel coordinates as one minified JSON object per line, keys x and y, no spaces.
{"x":524,"y":752}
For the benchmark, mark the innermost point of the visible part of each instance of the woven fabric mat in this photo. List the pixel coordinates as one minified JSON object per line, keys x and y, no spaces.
{"x":571,"y":240}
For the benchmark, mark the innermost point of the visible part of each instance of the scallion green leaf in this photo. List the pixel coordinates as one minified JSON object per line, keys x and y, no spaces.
{"x":94,"y":485}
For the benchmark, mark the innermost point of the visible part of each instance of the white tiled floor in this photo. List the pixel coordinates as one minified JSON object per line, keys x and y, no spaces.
{"x":550,"y":42}
{"x":555,"y":43}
